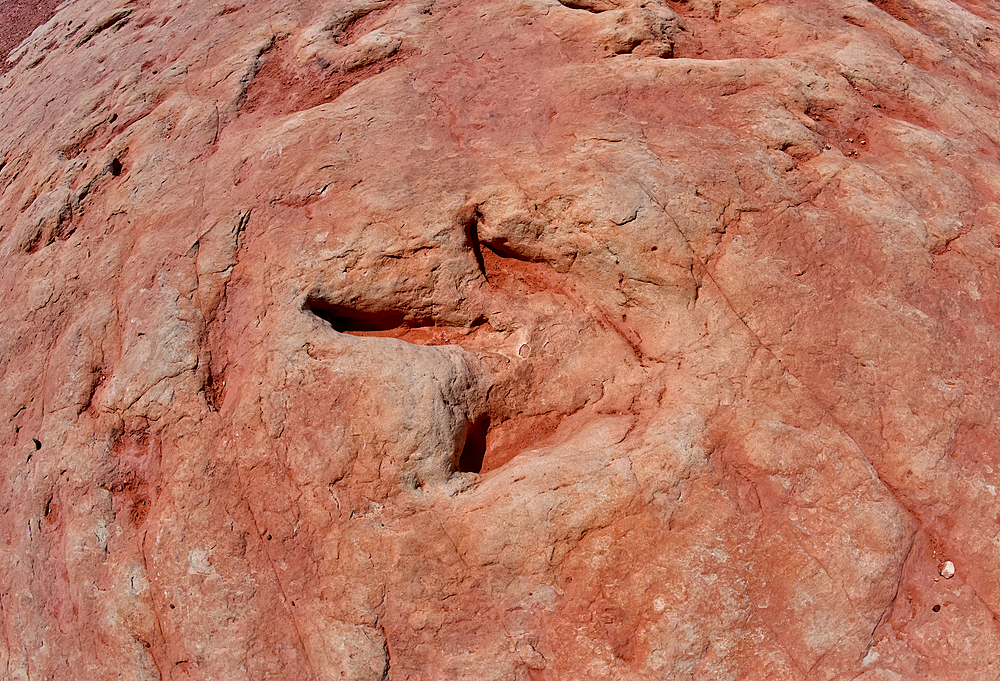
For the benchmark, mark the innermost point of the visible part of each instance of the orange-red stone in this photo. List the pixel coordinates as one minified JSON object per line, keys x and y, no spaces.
{"x":487,"y":340}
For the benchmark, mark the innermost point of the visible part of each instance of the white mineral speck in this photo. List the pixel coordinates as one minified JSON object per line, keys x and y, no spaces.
{"x":948,"y":569}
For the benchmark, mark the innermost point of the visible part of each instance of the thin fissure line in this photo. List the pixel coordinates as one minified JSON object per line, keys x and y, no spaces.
{"x":274,"y":570}
{"x":705,"y":271}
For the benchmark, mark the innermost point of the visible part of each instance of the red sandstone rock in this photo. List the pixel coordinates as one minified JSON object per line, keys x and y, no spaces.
{"x":497,"y":340}
{"x":20,"y":17}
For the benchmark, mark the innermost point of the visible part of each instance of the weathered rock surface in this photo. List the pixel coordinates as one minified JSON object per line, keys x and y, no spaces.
{"x":499,"y":339}
{"x":20,"y":17}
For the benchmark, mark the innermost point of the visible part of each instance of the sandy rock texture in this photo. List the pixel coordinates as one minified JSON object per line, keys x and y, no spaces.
{"x":19,"y":18}
{"x":501,"y":340}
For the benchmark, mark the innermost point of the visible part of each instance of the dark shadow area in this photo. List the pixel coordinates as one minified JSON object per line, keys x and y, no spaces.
{"x":472,"y":238}
{"x":347,"y":319}
{"x":471,"y":460}
{"x":502,"y":249}
{"x":215,"y":387}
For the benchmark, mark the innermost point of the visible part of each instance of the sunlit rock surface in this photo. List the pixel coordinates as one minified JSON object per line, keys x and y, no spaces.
{"x":403,"y":339}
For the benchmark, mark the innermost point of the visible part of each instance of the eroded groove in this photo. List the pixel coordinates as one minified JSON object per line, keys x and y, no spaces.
{"x":474,"y":450}
{"x":346,"y":319}
{"x":116,"y":19}
{"x":215,"y":389}
{"x":357,"y":21}
{"x":592,"y":6}
{"x":471,"y":228}
{"x":280,"y":86}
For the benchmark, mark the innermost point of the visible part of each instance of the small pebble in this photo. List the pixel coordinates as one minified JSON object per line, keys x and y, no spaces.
{"x":948,"y":569}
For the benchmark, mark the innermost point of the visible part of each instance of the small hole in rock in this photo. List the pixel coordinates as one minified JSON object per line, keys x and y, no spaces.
{"x":115,"y":167}
{"x":172,"y":606}
{"x":471,"y":460}
{"x":936,"y":608}
{"x":38,"y":445}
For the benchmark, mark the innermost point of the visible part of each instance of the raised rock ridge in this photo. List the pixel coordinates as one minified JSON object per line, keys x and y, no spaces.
{"x":501,"y":339}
